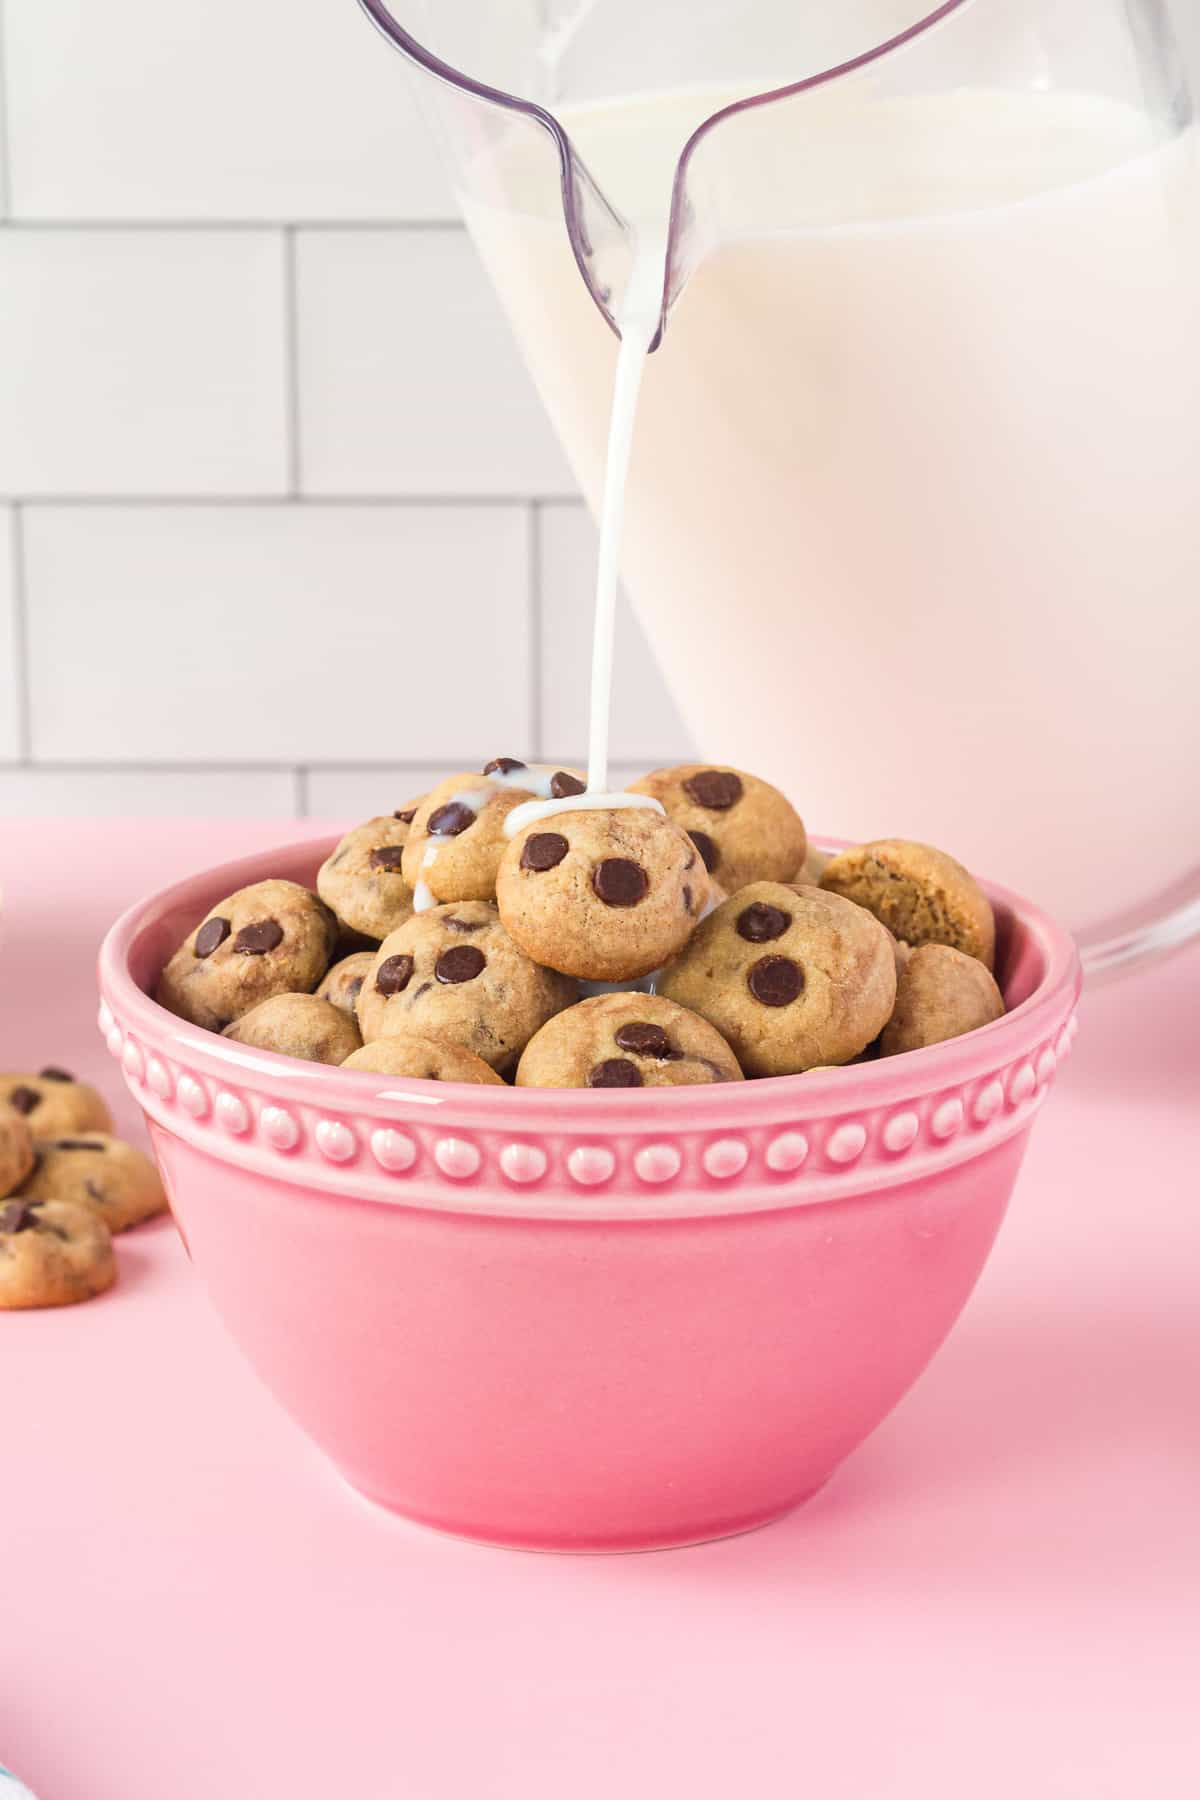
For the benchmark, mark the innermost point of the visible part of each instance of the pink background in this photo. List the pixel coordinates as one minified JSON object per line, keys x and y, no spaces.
{"x":999,"y":1594}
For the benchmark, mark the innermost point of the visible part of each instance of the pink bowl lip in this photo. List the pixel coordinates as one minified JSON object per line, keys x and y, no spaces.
{"x":733,"y":1105}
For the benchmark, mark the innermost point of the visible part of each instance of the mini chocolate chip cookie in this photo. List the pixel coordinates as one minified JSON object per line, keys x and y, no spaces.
{"x":343,"y":984}
{"x":300,"y":1025}
{"x":362,"y":879}
{"x":422,"y":1059}
{"x":116,"y":1182}
{"x":941,"y":994}
{"x":790,"y":976}
{"x":606,"y":895}
{"x":627,"y":1041}
{"x":454,"y":974}
{"x":52,"y":1253}
{"x":458,"y":836}
{"x":53,"y":1102}
{"x":744,"y":828}
{"x":922,"y":895}
{"x":272,"y":938}
{"x":16,"y":1151}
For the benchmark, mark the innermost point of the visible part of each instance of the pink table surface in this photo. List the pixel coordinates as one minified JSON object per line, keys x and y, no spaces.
{"x":997,"y":1596}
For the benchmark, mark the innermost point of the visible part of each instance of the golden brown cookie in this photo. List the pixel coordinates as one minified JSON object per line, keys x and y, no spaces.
{"x":362,"y":879}
{"x":606,"y":894}
{"x":422,"y":1059}
{"x":52,"y":1254}
{"x":790,"y":976}
{"x":458,"y":836}
{"x":941,"y":994}
{"x":342,"y":985}
{"x":627,"y":1041}
{"x":112,"y":1179}
{"x":53,"y":1102}
{"x":922,"y":895}
{"x":272,"y":938}
{"x":16,"y":1152}
{"x":301,"y":1025}
{"x":454,"y":974}
{"x":744,"y":828}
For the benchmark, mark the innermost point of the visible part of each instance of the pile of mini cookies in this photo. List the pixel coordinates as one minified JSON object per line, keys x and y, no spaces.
{"x":680,"y":933}
{"x":66,"y":1186}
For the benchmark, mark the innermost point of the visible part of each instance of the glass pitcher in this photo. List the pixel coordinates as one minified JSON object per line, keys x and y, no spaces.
{"x":913,"y":522}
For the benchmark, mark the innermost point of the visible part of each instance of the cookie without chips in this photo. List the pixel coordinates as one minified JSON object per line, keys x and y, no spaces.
{"x":627,"y":1041}
{"x":941,"y":994}
{"x":300,"y":1025}
{"x":113,"y":1180}
{"x":52,"y":1253}
{"x":422,"y":1059}
{"x":922,"y":895}
{"x":343,"y":984}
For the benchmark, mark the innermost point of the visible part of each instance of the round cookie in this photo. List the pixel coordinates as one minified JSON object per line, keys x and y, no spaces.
{"x":300,"y":1025}
{"x":342,"y":985}
{"x":941,"y":994}
{"x":790,"y":976}
{"x":454,"y":974}
{"x":52,"y":1254}
{"x":627,"y":1041}
{"x":362,"y":879}
{"x":458,"y":837}
{"x":116,"y":1182}
{"x":422,"y":1059}
{"x":922,"y":895}
{"x":744,"y":828}
{"x":16,"y":1152}
{"x":54,"y":1102}
{"x":607,"y":895}
{"x":272,"y":938}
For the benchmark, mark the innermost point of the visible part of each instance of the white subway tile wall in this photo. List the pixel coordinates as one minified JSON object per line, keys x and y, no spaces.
{"x":283,"y":527}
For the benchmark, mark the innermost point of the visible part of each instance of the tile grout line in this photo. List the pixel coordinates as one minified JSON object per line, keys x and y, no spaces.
{"x":5,"y":131}
{"x":133,"y":502}
{"x":20,"y":639}
{"x":533,"y":540}
{"x":176,"y":224}
{"x":291,"y":364}
{"x":300,"y":785}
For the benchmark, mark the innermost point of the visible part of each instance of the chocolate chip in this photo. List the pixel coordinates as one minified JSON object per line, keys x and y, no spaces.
{"x":16,"y":1216}
{"x":503,"y":765}
{"x":354,"y":988}
{"x":620,"y":882}
{"x":94,"y":1192}
{"x":687,"y":898}
{"x":709,"y":853}
{"x":55,"y":1075}
{"x":544,"y":850}
{"x":450,"y":820}
{"x":715,"y":789}
{"x":759,"y":923}
{"x":24,"y":1099}
{"x":406,"y":817}
{"x":454,"y":923}
{"x":394,"y":974}
{"x":463,"y":962}
{"x":389,"y":857}
{"x":775,"y":980}
{"x":562,"y":785}
{"x":616,"y":1072}
{"x":645,"y":1040}
{"x":257,"y":939}
{"x":75,"y":1144}
{"x":210,"y":934}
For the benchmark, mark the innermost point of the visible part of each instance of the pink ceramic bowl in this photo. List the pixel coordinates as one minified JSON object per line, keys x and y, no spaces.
{"x":585,"y":1320}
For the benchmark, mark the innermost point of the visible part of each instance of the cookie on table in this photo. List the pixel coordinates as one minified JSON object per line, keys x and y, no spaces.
{"x":102,"y":1175}
{"x":458,"y":836}
{"x":790,"y":976}
{"x":941,"y":994}
{"x":423,"y":1059}
{"x":362,"y":879}
{"x":52,"y":1253}
{"x":454,"y":974}
{"x":16,"y":1152}
{"x":343,"y":984}
{"x":605,"y":895}
{"x":53,"y":1102}
{"x":301,"y":1025}
{"x":274,"y":937}
{"x":922,"y":895}
{"x":627,"y":1041}
{"x":744,"y":828}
